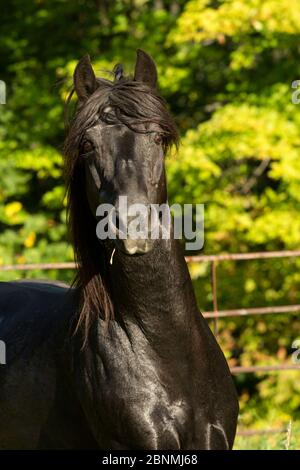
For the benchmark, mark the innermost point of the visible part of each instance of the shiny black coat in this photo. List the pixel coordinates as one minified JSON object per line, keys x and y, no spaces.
{"x":155,"y":379}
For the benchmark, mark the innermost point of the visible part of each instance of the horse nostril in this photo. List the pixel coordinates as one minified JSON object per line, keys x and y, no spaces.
{"x":117,"y":222}
{"x":140,"y":225}
{"x":154,"y":216}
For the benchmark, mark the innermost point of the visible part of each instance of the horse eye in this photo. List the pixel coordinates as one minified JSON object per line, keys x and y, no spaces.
{"x":158,"y":138}
{"x":87,"y":148}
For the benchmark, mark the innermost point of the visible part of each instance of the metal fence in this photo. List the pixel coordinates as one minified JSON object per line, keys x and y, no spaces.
{"x":215,"y":314}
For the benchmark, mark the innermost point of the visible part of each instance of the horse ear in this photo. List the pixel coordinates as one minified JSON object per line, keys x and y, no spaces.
{"x":145,"y":69}
{"x":85,"y":82}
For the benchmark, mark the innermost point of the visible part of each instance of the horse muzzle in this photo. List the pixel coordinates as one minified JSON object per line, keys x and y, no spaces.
{"x":136,"y":247}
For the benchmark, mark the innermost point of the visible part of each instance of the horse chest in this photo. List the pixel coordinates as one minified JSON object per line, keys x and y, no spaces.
{"x":131,"y":399}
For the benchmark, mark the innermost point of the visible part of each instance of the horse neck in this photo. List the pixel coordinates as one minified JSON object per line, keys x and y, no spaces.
{"x":154,"y":289}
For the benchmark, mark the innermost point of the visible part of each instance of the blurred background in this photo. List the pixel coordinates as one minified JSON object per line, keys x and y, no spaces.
{"x":225,"y":69}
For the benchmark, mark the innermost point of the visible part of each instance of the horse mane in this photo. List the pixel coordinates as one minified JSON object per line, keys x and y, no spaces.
{"x":134,"y":103}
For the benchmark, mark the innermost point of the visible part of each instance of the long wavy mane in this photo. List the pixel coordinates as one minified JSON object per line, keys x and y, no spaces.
{"x":134,"y":103}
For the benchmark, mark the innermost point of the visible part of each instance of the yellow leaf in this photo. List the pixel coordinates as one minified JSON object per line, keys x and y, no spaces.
{"x":12,"y":208}
{"x":30,"y":240}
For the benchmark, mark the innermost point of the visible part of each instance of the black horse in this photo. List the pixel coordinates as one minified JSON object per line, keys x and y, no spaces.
{"x":123,"y":360}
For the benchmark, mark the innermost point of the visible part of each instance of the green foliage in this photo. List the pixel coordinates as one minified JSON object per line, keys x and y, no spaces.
{"x":226,"y":69}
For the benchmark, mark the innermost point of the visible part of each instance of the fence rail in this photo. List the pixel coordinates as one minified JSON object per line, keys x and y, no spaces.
{"x":36,"y":266}
{"x":244,"y":312}
{"x":244,"y":256}
{"x":260,"y":432}
{"x":189,"y":259}
{"x":215,"y":314}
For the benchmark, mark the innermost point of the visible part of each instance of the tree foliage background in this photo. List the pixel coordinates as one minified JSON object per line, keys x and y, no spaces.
{"x":225,"y":69}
